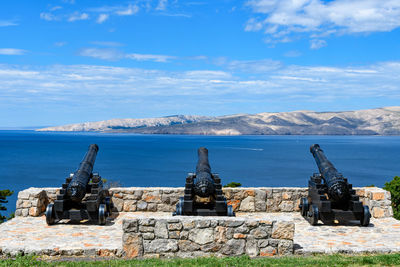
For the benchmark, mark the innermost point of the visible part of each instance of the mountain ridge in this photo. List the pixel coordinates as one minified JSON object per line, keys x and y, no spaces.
{"x":379,"y":121}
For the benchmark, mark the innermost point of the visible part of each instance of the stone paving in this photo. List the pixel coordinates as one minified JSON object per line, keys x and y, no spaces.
{"x":32,"y":235}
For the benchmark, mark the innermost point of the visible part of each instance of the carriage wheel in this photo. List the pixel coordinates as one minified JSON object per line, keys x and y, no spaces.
{"x":304,"y":206}
{"x":313,"y":215}
{"x":366,"y":216}
{"x":102,"y":214}
{"x":50,"y":214}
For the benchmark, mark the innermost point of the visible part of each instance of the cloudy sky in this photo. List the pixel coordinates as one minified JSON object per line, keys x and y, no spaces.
{"x":69,"y":61}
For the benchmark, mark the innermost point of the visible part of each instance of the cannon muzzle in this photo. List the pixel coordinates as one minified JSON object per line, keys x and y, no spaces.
{"x":76,"y":189}
{"x":203,"y":183}
{"x":337,"y":186}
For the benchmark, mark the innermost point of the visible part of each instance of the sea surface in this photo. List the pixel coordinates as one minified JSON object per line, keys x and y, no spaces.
{"x":40,"y":159}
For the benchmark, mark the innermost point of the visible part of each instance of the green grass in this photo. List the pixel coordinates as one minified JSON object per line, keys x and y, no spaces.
{"x":318,"y":260}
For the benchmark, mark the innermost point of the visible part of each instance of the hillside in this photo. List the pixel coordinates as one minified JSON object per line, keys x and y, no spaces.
{"x":381,"y":121}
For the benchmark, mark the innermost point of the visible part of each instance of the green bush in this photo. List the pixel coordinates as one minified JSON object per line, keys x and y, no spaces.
{"x":233,"y":184}
{"x":394,"y":188}
{"x":3,"y":195}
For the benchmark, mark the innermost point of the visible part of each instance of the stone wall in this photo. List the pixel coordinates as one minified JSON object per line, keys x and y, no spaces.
{"x":33,"y":201}
{"x":202,"y":236}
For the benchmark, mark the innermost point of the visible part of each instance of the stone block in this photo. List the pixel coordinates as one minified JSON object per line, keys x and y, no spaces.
{"x":34,"y":212}
{"x":259,"y":233}
{"x":251,"y":247}
{"x":268,"y":251}
{"x":175,"y":226}
{"x":132,"y":245}
{"x":148,"y":236}
{"x":188,"y":224}
{"x":151,"y":196}
{"x":260,"y":200}
{"x":204,"y":223}
{"x":378,"y":196}
{"x":152,"y":207}
{"x":160,"y":229}
{"x":248,"y":204}
{"x":165,"y":208}
{"x":378,"y":212}
{"x":211,"y":247}
{"x":160,"y":245}
{"x":174,"y":234}
{"x":130,"y":225}
{"x":186,"y":245}
{"x":118,"y":203}
{"x":233,"y":247}
{"x":262,"y":243}
{"x":239,"y":236}
{"x":285,"y":247}
{"x":201,"y":236}
{"x":146,"y":229}
{"x":220,"y":234}
{"x":147,"y":222}
{"x":129,"y":205}
{"x":141,"y":205}
{"x":283,"y":230}
{"x":286,"y":206}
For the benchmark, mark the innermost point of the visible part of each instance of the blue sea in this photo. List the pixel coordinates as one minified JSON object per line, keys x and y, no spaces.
{"x":39,"y":159}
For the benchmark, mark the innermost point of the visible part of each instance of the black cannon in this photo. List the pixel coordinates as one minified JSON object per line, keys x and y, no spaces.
{"x":203,"y":192}
{"x":82,"y":196}
{"x":330,"y":197}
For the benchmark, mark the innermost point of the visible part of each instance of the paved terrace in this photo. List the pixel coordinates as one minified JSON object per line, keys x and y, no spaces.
{"x":31,"y":235}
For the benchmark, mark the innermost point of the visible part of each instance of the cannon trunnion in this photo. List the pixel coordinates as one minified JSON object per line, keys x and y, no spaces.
{"x":203,"y":192}
{"x":82,"y":196}
{"x":330,"y":197}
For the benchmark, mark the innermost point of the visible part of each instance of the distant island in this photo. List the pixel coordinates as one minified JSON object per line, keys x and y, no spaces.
{"x":380,"y":121}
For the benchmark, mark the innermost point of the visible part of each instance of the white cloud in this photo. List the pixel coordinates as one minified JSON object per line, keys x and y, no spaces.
{"x":102,"y":53}
{"x":48,"y":16}
{"x":162,"y":5}
{"x":104,"y":88}
{"x":149,"y":57}
{"x":12,"y":51}
{"x":101,"y":18}
{"x":113,"y":54}
{"x":317,"y":44}
{"x":250,"y":66}
{"x":78,"y":16}
{"x":130,"y":10}
{"x":6,"y":23}
{"x":321,"y":18}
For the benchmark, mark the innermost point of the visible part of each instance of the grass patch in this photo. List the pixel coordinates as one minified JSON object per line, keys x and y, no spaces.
{"x":317,"y":260}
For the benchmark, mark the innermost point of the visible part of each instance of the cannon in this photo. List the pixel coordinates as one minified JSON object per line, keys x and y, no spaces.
{"x":330,"y":197}
{"x":203,"y":192}
{"x":82,"y":196}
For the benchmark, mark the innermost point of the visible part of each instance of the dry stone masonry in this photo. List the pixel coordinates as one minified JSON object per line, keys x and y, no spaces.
{"x":187,"y":236}
{"x":33,"y":201}
{"x":144,"y":226}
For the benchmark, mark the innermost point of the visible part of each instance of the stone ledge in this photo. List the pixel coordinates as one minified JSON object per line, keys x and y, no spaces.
{"x":31,"y":235}
{"x":33,"y":201}
{"x":190,"y":236}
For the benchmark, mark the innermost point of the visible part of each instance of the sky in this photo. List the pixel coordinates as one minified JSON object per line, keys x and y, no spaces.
{"x":71,"y":61}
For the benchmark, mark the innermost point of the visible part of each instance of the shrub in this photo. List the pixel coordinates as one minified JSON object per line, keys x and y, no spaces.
{"x":394,"y":188}
{"x":3,"y":195}
{"x":233,"y":184}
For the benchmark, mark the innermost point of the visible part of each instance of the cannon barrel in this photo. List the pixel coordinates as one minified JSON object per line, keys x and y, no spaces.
{"x":76,"y":189}
{"x":335,"y":182}
{"x":203,"y":182}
